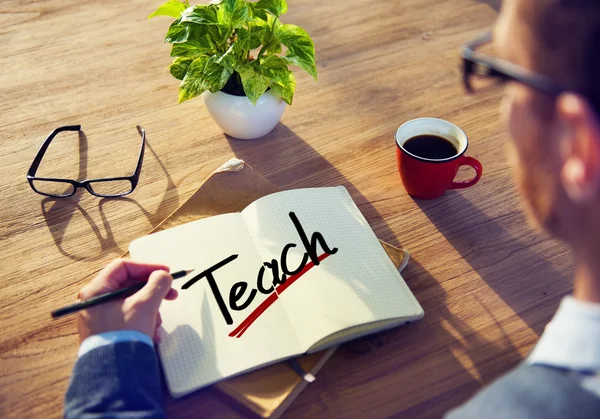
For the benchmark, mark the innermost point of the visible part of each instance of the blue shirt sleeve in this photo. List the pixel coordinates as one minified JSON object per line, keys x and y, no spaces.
{"x":559,"y":379}
{"x":572,"y":339}
{"x":108,"y":338}
{"x":116,"y":376}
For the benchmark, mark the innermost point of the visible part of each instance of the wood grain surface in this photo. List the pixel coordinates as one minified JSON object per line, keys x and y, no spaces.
{"x":487,"y":281}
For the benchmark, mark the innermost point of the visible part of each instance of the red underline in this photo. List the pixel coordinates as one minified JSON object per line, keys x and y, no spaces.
{"x":243,"y":326}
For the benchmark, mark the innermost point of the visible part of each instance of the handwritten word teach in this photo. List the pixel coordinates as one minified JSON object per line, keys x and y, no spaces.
{"x":281,"y":277}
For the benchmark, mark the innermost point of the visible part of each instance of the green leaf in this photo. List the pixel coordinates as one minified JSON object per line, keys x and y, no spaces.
{"x":177,"y":32}
{"x":255,"y":84}
{"x":285,"y":90}
{"x":274,"y":23}
{"x":233,"y":13}
{"x":258,"y":30}
{"x":275,"y":68}
{"x":282,"y":81}
{"x":231,"y":59}
{"x":219,"y":34}
{"x":275,"y":7}
{"x":304,"y":64}
{"x":272,"y":62}
{"x":215,"y":75}
{"x":201,"y":15}
{"x":301,"y":50}
{"x":193,"y":48}
{"x":274,"y":47}
{"x":264,"y":28}
{"x":171,"y":8}
{"x":183,"y":31}
{"x":205,"y":17}
{"x":179,"y":67}
{"x":193,"y":83}
{"x":257,"y":12}
{"x":247,"y":40}
{"x":266,"y":32}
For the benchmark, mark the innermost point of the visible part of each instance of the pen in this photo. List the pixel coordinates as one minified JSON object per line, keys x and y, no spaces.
{"x":109,"y":296}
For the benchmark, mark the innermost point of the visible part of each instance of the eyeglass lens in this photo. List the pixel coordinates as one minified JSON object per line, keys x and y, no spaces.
{"x":53,"y":188}
{"x":111,"y":187}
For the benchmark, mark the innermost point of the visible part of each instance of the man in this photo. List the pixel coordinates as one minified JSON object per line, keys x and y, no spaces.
{"x":116,"y":374}
{"x":548,"y":51}
{"x":552,"y":112}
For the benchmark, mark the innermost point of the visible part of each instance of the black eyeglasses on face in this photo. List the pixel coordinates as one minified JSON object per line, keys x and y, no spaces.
{"x":62,"y":188}
{"x":479,"y":69}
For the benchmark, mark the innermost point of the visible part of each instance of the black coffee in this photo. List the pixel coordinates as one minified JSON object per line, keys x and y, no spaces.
{"x":430,"y":147}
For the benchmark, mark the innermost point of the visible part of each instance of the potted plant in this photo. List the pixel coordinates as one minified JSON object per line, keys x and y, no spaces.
{"x":231,"y":52}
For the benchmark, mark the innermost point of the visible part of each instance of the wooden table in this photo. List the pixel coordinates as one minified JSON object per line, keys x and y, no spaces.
{"x":487,"y":281}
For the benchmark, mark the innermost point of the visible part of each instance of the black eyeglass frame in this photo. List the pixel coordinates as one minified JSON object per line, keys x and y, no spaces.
{"x":133,"y":179}
{"x":477,"y":63}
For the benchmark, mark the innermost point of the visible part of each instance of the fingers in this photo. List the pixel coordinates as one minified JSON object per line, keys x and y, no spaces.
{"x":121,"y":270}
{"x":155,"y":290}
{"x":172,"y":294}
{"x":117,"y":274}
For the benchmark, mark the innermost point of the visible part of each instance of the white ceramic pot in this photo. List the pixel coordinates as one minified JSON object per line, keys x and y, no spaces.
{"x":240,"y":119}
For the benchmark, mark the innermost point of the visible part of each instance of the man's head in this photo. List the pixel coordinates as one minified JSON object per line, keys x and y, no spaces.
{"x":556,"y":139}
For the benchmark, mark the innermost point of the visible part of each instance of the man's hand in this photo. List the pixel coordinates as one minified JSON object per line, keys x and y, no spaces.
{"x":137,"y":312}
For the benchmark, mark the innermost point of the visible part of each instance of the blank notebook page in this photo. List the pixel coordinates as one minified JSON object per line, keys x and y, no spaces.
{"x":356,"y":285}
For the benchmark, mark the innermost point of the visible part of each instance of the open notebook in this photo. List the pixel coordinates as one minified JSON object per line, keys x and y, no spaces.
{"x":294,"y":272}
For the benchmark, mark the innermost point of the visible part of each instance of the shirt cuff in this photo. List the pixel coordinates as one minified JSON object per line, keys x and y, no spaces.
{"x":571,"y":340}
{"x":110,"y":338}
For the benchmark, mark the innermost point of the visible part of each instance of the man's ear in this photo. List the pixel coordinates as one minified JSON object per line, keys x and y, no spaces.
{"x":580,"y":148}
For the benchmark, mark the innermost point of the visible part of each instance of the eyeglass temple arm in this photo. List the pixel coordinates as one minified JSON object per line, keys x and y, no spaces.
{"x":138,"y":168}
{"x":478,"y":42}
{"x":468,"y":53}
{"x":40,"y":154}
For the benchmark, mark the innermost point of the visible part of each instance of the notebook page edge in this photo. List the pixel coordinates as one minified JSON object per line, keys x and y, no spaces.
{"x":184,"y":392}
{"x":363,"y":330}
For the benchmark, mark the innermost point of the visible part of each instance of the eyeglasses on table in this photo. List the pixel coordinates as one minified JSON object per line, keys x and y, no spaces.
{"x":110,"y":187}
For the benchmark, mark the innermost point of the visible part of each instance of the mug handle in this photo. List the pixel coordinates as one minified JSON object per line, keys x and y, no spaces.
{"x":468,"y":161}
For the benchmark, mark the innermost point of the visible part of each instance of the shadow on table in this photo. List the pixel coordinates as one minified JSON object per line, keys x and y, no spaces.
{"x":165,"y":206}
{"x":501,"y":260}
{"x":59,"y":212}
{"x":459,"y":354}
{"x":304,"y":166}
{"x":494,"y":4}
{"x":417,"y":357}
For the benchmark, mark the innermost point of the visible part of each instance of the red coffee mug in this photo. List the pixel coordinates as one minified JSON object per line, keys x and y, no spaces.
{"x":429,"y":178}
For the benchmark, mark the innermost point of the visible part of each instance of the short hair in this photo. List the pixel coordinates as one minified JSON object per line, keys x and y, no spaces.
{"x":567,"y":34}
